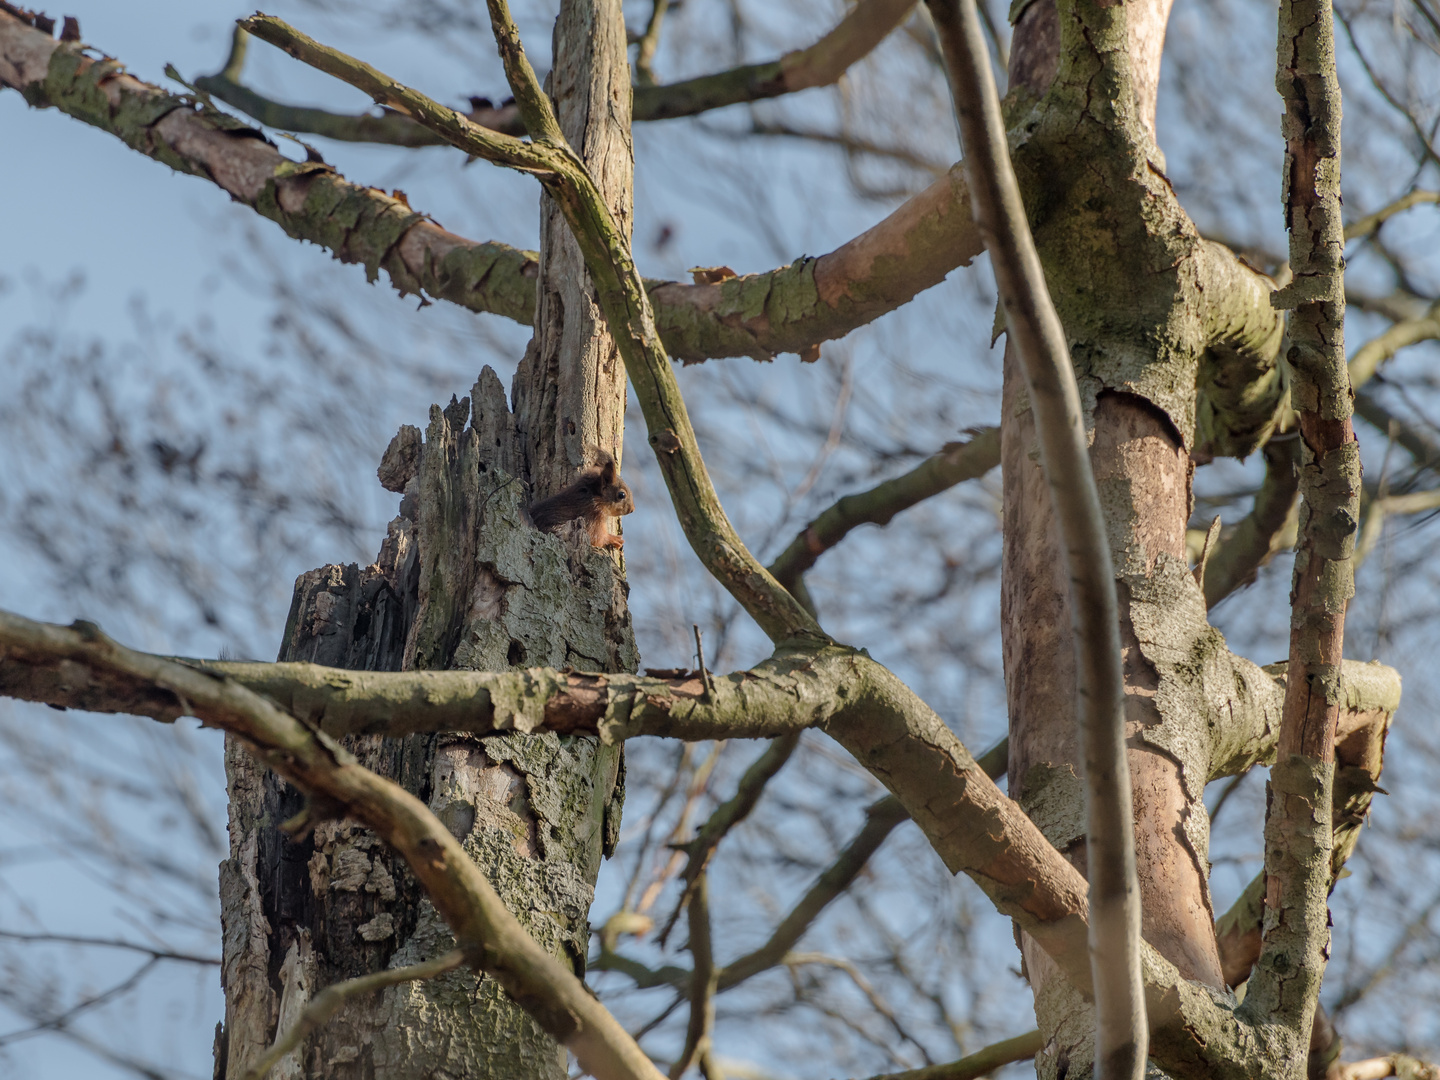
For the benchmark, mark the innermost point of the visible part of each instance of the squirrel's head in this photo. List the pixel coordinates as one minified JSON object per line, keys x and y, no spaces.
{"x":615,"y":494}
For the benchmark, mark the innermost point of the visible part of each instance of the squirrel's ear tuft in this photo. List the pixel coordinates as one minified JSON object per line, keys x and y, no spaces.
{"x":607,"y":468}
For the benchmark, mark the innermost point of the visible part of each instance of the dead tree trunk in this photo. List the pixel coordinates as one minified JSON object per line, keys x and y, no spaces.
{"x":463,"y":581}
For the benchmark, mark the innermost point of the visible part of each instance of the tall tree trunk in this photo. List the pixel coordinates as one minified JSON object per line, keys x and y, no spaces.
{"x":1140,"y":453}
{"x":463,"y":581}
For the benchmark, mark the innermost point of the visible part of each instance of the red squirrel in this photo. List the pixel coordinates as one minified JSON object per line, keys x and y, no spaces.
{"x":596,"y":496}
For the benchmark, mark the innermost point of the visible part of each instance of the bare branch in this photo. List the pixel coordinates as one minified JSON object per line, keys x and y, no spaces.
{"x":1373,"y":353}
{"x":621,"y":294}
{"x":981,"y":1063}
{"x":649,"y":43}
{"x":390,"y":127}
{"x":1286,"y":982}
{"x":109,"y":943}
{"x":728,"y":814}
{"x":889,"y":731}
{"x":1035,"y":331}
{"x":328,"y":1002}
{"x":880,"y":821}
{"x":317,"y":765}
{"x":954,"y":463}
{"x":1371,"y":223}
{"x":759,"y":315}
{"x":60,"y":1021}
{"x":863,"y":27}
{"x":1419,"y":443}
{"x":309,"y":200}
{"x":1268,"y":529}
{"x":814,"y":300}
{"x":703,"y":977}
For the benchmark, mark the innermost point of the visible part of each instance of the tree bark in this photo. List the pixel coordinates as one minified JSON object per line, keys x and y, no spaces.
{"x":570,"y":389}
{"x":463,"y":581}
{"x":1140,"y":451}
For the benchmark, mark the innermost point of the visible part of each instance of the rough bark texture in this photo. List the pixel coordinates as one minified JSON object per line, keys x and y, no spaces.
{"x":476,"y":587}
{"x":564,"y":417}
{"x":1102,"y":211}
{"x":1298,"y":831}
{"x":463,"y":581}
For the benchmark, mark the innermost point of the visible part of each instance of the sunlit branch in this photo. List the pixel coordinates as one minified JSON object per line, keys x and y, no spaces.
{"x":889,"y":731}
{"x":1035,"y":331}
{"x":1286,"y":981}
{"x":790,"y":309}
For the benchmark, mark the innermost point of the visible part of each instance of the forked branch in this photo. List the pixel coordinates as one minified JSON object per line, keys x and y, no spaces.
{"x":621,"y":294}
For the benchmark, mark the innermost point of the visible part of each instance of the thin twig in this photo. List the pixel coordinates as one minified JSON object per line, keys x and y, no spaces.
{"x":727,"y":815}
{"x":327,"y":1003}
{"x":881,"y":820}
{"x":110,"y":943}
{"x":981,"y":1063}
{"x":702,"y":981}
{"x":85,"y":1004}
{"x":1225,"y":793}
{"x":699,"y":784}
{"x":700,"y":659}
{"x":649,"y":42}
{"x":873,"y":996}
